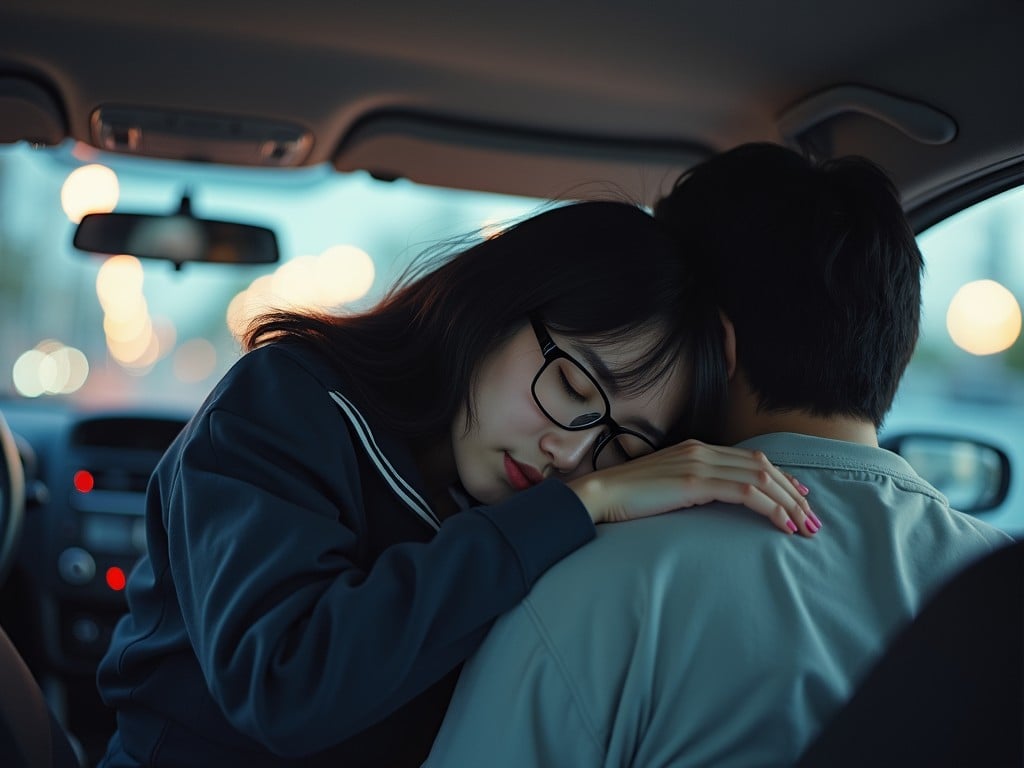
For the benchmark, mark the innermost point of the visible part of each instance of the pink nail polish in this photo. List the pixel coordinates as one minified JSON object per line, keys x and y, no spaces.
{"x":811,"y":526}
{"x":791,"y":525}
{"x":814,"y":517}
{"x":804,"y":490}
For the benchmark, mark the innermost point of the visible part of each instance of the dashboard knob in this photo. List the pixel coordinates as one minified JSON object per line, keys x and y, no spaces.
{"x":76,"y":566}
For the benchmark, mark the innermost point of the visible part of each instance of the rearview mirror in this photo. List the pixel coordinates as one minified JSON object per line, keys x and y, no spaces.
{"x":179,"y":237}
{"x":973,"y":475}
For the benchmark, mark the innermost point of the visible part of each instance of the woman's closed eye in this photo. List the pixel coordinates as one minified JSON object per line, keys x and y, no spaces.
{"x":569,"y":389}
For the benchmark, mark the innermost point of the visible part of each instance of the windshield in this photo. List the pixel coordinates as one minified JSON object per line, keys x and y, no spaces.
{"x":120,"y":330}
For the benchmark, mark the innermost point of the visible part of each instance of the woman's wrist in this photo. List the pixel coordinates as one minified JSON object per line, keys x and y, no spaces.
{"x":590,"y":490}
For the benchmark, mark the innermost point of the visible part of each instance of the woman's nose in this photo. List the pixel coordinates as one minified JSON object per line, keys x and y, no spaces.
{"x":568,"y":450}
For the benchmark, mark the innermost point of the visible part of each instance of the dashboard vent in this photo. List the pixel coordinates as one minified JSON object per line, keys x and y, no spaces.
{"x":133,"y":433}
{"x":120,"y":480}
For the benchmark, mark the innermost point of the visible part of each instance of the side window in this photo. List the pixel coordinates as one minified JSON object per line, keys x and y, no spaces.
{"x":967,"y":375}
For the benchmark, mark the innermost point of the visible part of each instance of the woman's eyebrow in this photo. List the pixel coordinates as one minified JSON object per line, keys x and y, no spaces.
{"x":610,"y":383}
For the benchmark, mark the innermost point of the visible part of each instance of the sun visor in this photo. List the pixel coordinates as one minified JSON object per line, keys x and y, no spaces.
{"x":30,"y":112}
{"x":465,"y":155}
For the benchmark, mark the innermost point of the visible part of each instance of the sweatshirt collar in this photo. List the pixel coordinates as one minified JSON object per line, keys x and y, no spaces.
{"x":380,"y":447}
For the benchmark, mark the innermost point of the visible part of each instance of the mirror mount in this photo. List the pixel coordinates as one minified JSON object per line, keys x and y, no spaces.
{"x":185,"y":206}
{"x":185,"y":210}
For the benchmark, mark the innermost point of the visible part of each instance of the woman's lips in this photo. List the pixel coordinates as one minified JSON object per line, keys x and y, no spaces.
{"x":521,"y":476}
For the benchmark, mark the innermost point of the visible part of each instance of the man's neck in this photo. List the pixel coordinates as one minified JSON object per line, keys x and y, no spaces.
{"x":745,"y":421}
{"x":834,"y":428}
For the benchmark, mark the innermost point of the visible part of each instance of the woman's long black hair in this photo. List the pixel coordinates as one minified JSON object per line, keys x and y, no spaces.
{"x":599,"y":270}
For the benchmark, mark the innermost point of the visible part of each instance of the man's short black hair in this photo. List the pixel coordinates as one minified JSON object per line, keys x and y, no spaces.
{"x":816,"y":266}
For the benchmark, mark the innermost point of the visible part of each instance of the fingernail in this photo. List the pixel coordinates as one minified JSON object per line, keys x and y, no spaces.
{"x":811,"y":526}
{"x":791,"y":525}
{"x":802,"y":488}
{"x":814,"y":517}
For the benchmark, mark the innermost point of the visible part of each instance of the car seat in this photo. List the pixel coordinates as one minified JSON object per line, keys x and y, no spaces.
{"x":949,"y":691}
{"x":30,"y":736}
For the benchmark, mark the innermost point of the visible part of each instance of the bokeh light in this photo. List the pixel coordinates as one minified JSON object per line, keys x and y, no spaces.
{"x":119,"y":280}
{"x":134,"y":340}
{"x":132,"y":346}
{"x":89,"y":189}
{"x":983,"y":318}
{"x":248,"y":304}
{"x":343,"y":274}
{"x":338,"y":276}
{"x":51,"y":368}
{"x":194,"y":360}
{"x":27,"y":376}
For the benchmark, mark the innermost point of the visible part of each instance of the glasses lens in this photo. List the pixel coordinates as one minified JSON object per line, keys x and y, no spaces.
{"x":568,"y":395}
{"x":621,"y":449}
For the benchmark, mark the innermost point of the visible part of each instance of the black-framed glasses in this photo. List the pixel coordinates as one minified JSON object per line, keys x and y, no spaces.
{"x":570,"y":397}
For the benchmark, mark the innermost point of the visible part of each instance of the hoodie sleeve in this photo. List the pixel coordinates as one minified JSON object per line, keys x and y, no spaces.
{"x":300,"y":647}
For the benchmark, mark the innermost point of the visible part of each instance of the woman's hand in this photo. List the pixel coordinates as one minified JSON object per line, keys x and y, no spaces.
{"x":693,"y":473}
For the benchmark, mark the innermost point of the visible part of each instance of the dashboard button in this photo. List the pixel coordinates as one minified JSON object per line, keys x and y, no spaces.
{"x":86,"y":631}
{"x":76,"y":566}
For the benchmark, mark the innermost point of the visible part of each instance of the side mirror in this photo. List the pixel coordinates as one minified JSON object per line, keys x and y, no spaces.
{"x":179,"y":237}
{"x":973,"y":475}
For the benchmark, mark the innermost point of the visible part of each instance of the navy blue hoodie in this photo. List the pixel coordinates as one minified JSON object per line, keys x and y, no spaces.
{"x":300,"y":603}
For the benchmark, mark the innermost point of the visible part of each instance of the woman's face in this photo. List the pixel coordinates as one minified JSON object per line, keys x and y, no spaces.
{"x":512,"y":445}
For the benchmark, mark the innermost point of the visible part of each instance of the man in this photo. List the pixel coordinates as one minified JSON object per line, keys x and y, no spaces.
{"x":700,"y":638}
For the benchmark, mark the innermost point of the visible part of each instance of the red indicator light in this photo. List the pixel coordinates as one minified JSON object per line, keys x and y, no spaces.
{"x":115,"y":578}
{"x":84,"y":481}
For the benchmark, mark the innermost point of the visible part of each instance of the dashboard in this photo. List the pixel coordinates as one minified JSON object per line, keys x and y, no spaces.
{"x":85,"y":479}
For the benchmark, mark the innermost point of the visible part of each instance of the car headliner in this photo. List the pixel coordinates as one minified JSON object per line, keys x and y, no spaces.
{"x":533,"y":97}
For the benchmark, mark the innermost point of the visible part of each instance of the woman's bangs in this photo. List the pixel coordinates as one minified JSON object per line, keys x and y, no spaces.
{"x":655,"y":363}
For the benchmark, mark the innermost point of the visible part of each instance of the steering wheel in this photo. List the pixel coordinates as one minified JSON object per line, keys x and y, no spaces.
{"x":12,"y":498}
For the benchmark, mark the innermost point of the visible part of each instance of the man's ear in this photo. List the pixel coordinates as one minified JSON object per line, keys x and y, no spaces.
{"x":728,"y":344}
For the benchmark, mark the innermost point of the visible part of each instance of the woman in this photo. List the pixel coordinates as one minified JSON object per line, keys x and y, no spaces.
{"x":360,"y":497}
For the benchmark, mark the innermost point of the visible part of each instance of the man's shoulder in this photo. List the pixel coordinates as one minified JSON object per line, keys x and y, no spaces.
{"x":980,"y":530}
{"x":712,"y":545}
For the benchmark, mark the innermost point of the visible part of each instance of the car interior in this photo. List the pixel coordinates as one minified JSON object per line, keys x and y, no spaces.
{"x":192,"y":162}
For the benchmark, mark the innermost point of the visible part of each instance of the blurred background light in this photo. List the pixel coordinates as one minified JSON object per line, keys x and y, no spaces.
{"x":194,"y":360}
{"x":338,"y":276}
{"x":51,"y":368}
{"x":118,"y":281}
{"x":983,"y":318}
{"x":89,"y":189}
